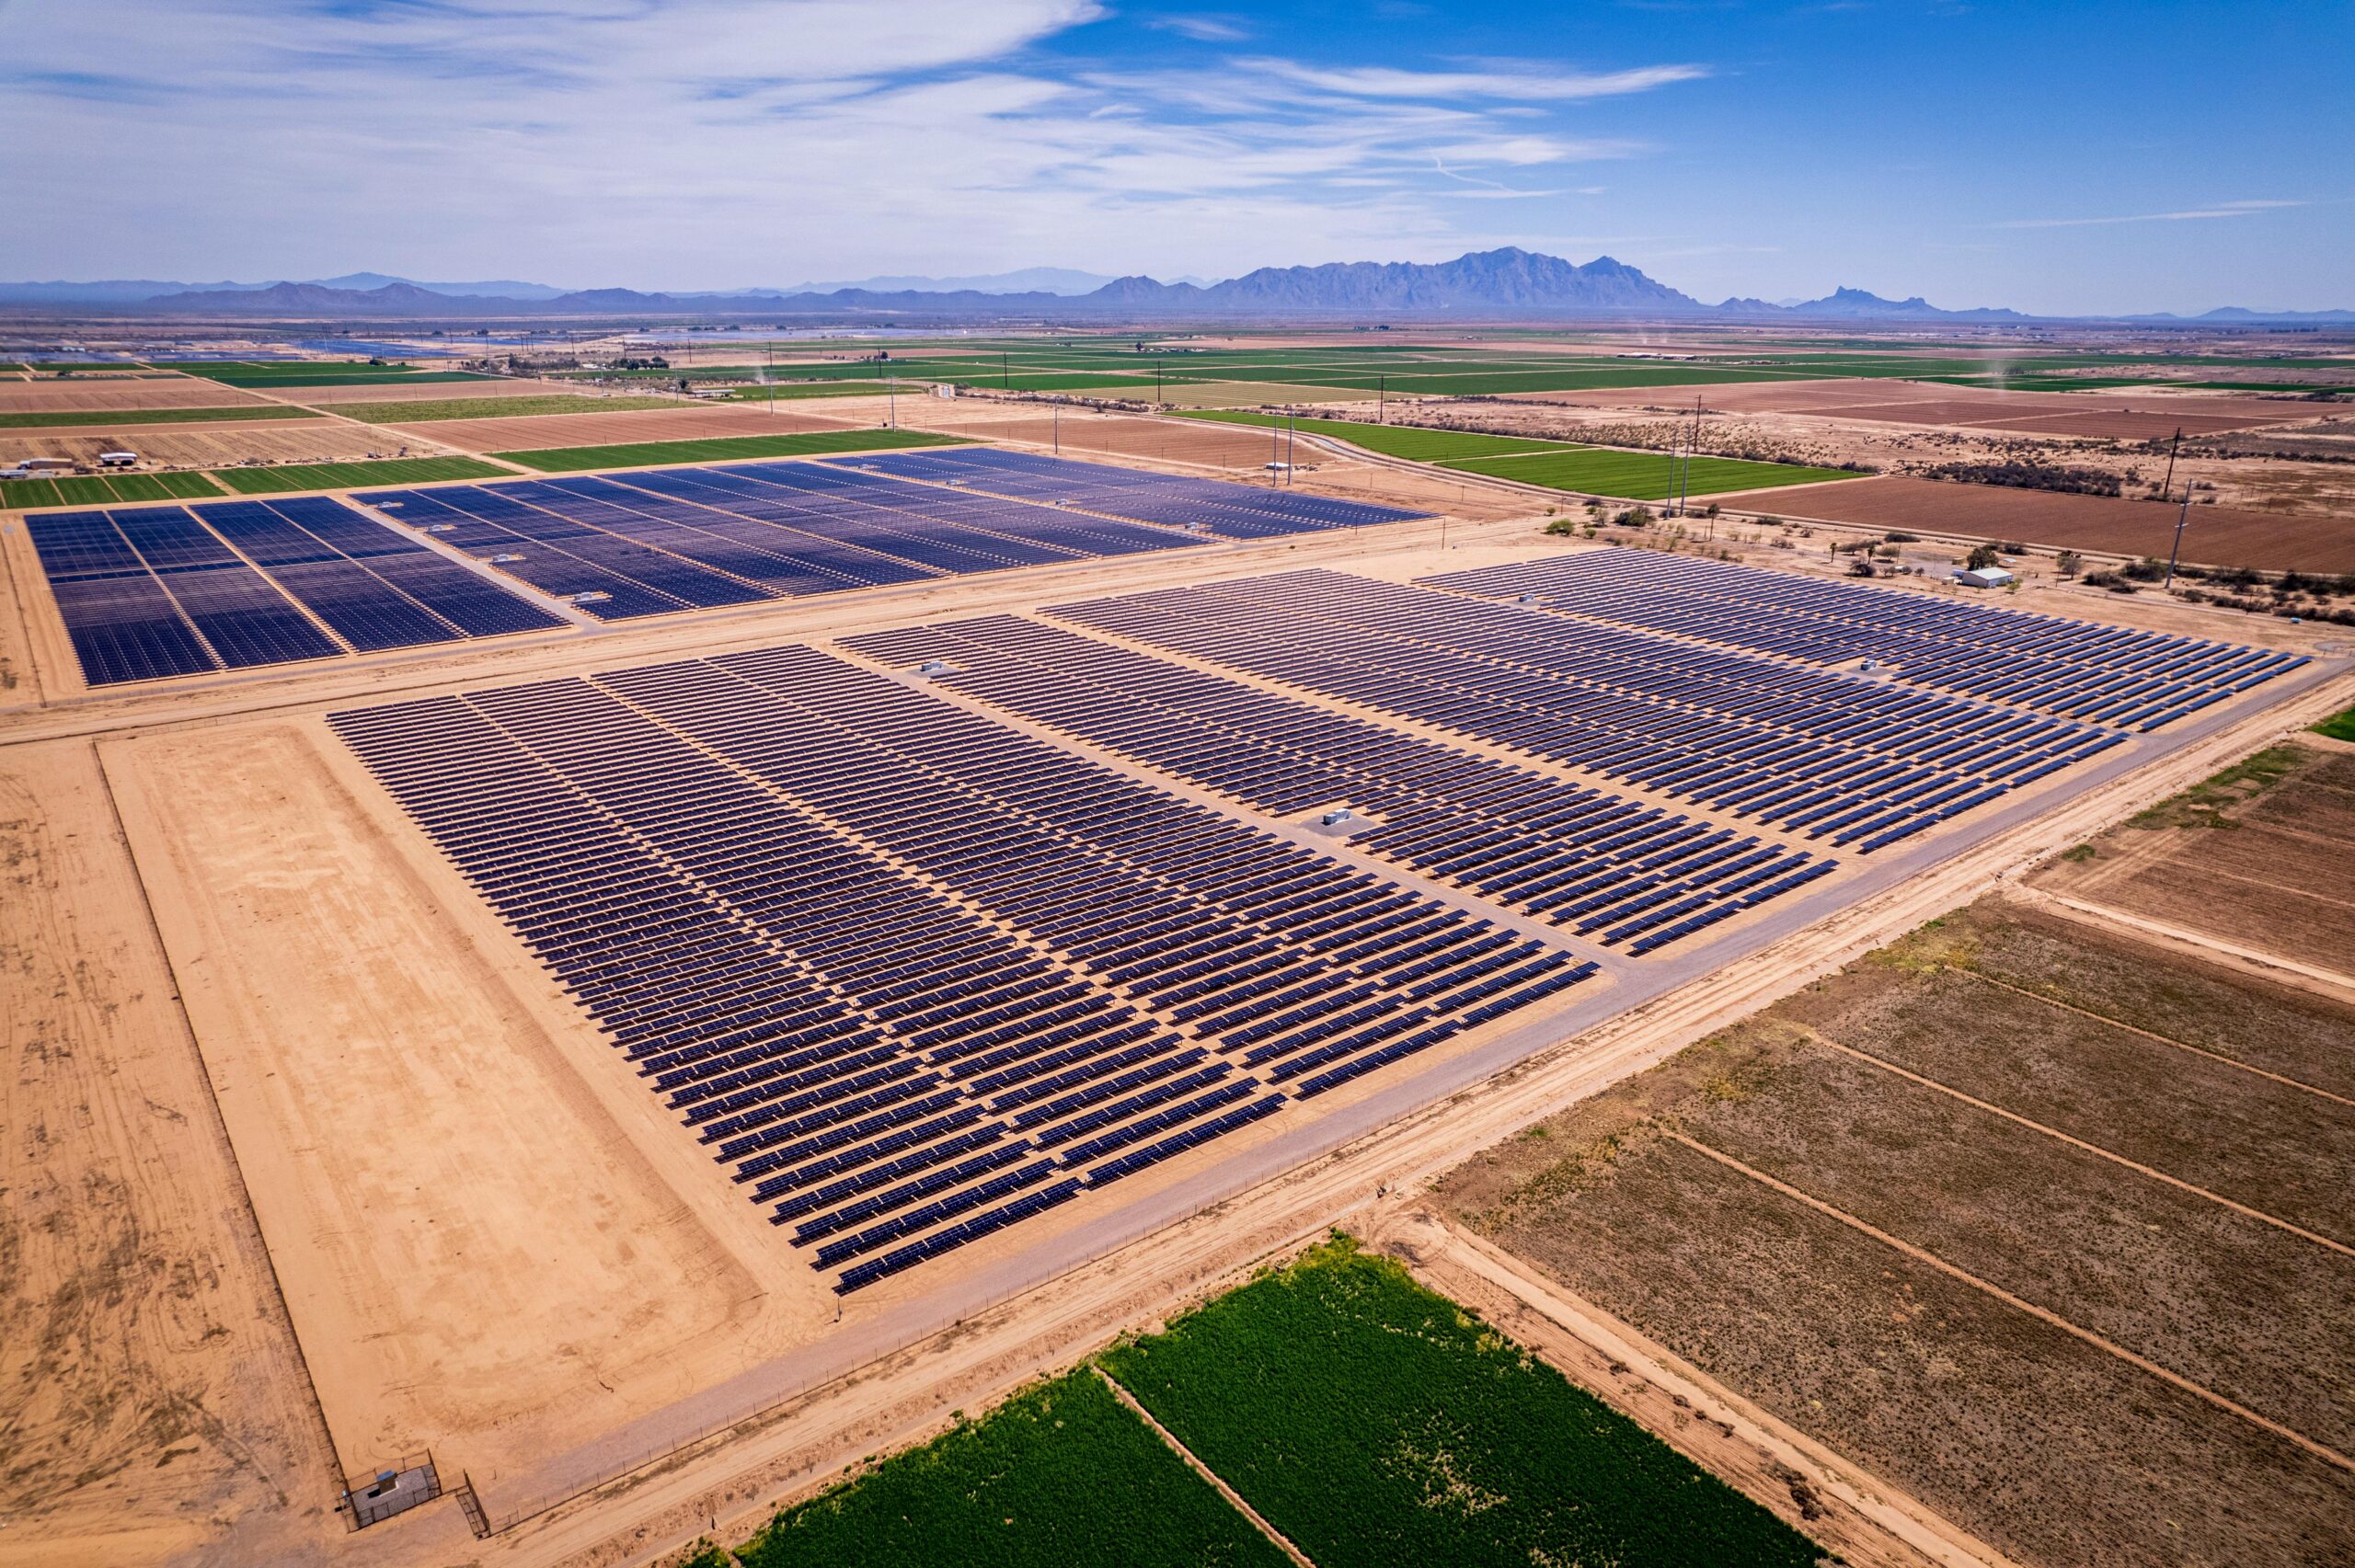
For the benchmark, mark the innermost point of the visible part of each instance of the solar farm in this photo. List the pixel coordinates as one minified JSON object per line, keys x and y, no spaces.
{"x":700,"y":966}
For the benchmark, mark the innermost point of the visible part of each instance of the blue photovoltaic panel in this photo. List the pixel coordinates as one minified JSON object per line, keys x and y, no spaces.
{"x":1220,"y":507}
{"x":1829,"y":755}
{"x":909,"y":975}
{"x":128,"y":628}
{"x":2109,"y":675}
{"x":149,"y":592}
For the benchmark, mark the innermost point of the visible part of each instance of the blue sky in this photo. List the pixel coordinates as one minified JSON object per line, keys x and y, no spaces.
{"x":2054,"y":157}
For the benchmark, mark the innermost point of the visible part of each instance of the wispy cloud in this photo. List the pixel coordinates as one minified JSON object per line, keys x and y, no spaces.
{"x":1389,"y":82}
{"x":1202,"y":29}
{"x":2188,"y":214}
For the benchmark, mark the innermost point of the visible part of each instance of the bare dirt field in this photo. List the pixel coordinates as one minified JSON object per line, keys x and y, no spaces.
{"x":2270,"y":851}
{"x":2136,"y":414}
{"x":78,"y":396}
{"x":154,"y":1392}
{"x":432,"y":392}
{"x":419,"y":1169}
{"x":1112,"y":435}
{"x":2051,"y":1275}
{"x":217,"y":446}
{"x":2221,"y":537}
{"x":540,"y":431}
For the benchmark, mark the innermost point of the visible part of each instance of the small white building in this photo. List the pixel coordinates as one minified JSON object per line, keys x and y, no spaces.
{"x":1983,"y":576}
{"x":118,"y":459}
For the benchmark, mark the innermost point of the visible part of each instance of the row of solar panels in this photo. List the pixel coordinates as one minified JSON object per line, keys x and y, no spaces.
{"x":1853,"y":762}
{"x":2109,"y":675}
{"x":908,"y":974}
{"x":150,"y":592}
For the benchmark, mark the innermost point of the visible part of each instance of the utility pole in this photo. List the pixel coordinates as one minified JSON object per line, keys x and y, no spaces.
{"x":891,"y":398}
{"x":2181,"y":517}
{"x":1157,"y":382}
{"x":2168,"y":483}
{"x":1004,"y":372}
{"x":768,"y":373}
{"x":1684,"y":500}
{"x":1382,"y":399}
{"x":1291,"y":447}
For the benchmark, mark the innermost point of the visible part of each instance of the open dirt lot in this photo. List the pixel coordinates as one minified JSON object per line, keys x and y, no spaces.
{"x":2272,"y":855}
{"x":2221,"y":537}
{"x":79,"y":396}
{"x":2029,"y":1264}
{"x":541,"y":431}
{"x":215,"y":446}
{"x":154,"y":1392}
{"x":439,"y":391}
{"x":212,"y":446}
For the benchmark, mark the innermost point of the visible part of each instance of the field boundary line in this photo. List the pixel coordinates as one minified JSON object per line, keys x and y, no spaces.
{"x":2135,"y":1165}
{"x":1898,"y":1513}
{"x":2103,"y":912}
{"x":2042,"y":1314}
{"x":1283,"y":1542}
{"x":2151,"y":1035}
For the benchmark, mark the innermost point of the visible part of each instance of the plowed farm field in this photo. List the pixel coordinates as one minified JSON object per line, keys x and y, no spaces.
{"x":82,"y":396}
{"x":544,"y":432}
{"x":2037,"y":1223}
{"x":2217,"y":536}
{"x":216,"y":446}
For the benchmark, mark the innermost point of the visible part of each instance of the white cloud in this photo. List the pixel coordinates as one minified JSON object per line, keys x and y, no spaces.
{"x":1387,"y":82}
{"x":710,"y":143}
{"x":2188,"y":214}
{"x":1202,"y":29}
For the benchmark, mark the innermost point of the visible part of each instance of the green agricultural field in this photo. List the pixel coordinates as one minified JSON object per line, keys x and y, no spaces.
{"x":1413,"y":442}
{"x":103,"y":490}
{"x":425,"y":408}
{"x":150,"y":416}
{"x":1064,"y":1476}
{"x":348,"y":475}
{"x":1376,"y":1424}
{"x":2338,"y":725}
{"x":1644,"y":476}
{"x":721,"y":449}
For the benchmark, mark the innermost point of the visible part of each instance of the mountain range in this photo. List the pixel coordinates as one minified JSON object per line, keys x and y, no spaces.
{"x":1508,"y":282}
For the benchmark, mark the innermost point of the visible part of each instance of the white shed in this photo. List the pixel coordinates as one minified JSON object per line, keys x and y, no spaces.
{"x":1983,"y":576}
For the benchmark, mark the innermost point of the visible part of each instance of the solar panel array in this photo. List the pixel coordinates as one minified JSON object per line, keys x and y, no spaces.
{"x":1828,"y":756}
{"x":147,"y":592}
{"x":1611,"y":868}
{"x":650,"y":542}
{"x":2107,"y":675}
{"x":911,"y":975}
{"x":1218,"y":507}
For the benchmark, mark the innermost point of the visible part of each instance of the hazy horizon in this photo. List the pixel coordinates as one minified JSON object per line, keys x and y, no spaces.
{"x":2114,"y":160}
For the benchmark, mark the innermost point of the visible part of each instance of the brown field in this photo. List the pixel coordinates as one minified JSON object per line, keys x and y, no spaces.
{"x":2272,"y":855}
{"x":77,"y":396}
{"x":2219,"y":536}
{"x":218,"y":446}
{"x":1111,"y":435}
{"x":2125,"y":415}
{"x":2060,"y":1291}
{"x":433,"y":392}
{"x":539,"y":431}
{"x":153,"y":1387}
